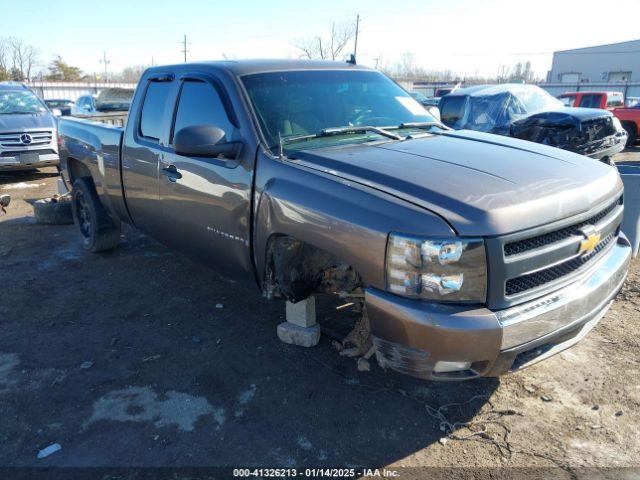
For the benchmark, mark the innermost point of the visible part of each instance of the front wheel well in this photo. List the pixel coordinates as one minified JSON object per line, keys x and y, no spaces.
{"x":295,"y":270}
{"x":632,"y":126}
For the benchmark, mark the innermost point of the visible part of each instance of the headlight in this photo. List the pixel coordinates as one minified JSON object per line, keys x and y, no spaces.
{"x":617,"y":124}
{"x":443,"y":269}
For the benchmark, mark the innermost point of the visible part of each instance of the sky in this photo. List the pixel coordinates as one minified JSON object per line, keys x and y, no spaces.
{"x":465,"y":36}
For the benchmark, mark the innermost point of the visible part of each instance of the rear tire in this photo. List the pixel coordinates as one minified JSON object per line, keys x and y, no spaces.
{"x":631,"y":132}
{"x":98,"y":230}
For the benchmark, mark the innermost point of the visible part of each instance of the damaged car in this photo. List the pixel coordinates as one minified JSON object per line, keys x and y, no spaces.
{"x":529,"y":113}
{"x":468,"y":254}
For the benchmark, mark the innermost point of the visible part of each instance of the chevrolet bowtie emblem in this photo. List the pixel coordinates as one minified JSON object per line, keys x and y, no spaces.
{"x":592,"y":239}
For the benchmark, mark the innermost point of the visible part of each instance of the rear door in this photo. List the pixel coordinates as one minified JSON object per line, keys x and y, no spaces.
{"x":205,"y":202}
{"x":146,"y":141}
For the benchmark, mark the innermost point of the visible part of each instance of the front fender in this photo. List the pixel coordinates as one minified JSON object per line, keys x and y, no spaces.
{"x":348,"y":220}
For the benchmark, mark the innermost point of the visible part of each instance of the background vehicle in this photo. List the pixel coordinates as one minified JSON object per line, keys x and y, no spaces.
{"x":605,"y":100}
{"x":424,"y":100}
{"x":65,"y":106}
{"x":108,"y":100}
{"x":441,"y":92}
{"x":630,"y":120}
{"x":109,"y":106}
{"x":473,"y":254}
{"x":530,"y":113}
{"x":632,"y":102}
{"x":28,"y":136}
{"x":85,"y":104}
{"x":613,"y":101}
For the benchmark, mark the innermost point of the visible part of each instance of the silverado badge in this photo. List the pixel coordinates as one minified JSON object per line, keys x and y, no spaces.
{"x":592,"y":239}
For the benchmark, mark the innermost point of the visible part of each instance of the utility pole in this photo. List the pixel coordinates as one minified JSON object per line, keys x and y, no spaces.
{"x":184,"y":48}
{"x":355,"y":44}
{"x":106,"y":63}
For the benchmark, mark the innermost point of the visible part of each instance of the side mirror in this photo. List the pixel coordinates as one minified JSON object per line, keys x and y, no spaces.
{"x":56,"y":112}
{"x":204,"y":141}
{"x":435,"y":112}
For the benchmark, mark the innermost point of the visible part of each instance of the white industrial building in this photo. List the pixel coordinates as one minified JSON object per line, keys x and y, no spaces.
{"x":615,"y":62}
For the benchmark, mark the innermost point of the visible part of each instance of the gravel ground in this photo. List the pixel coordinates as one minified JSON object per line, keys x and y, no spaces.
{"x":125,"y":360}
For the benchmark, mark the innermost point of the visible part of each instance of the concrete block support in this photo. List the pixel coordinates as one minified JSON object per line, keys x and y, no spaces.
{"x":301,"y":327}
{"x":302,"y":313}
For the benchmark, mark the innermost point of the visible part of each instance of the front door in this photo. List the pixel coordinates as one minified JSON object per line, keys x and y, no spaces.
{"x":205,"y":202}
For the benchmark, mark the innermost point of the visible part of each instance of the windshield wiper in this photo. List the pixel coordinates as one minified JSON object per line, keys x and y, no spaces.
{"x":423,"y":125}
{"x":328,"y":132}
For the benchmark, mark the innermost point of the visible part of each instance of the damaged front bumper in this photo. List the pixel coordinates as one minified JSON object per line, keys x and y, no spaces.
{"x":606,"y":147}
{"x":453,"y":342}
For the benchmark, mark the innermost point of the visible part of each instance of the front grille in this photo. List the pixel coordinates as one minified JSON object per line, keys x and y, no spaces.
{"x":528,"y":264}
{"x":597,"y":128}
{"x":521,"y":246}
{"x":12,"y":139}
{"x":542,"y":277}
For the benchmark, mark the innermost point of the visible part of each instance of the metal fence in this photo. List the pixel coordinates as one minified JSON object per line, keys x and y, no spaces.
{"x":72,"y":90}
{"x":628,"y":89}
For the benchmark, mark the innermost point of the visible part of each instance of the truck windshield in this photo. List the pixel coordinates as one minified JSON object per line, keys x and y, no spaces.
{"x":20,"y":101}
{"x":298,"y":103}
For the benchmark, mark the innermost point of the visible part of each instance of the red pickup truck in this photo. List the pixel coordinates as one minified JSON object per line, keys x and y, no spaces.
{"x":613,"y":101}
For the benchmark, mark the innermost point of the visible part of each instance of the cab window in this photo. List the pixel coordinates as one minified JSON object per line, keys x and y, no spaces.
{"x":200,"y":104}
{"x":591,"y":101}
{"x":153,"y":107}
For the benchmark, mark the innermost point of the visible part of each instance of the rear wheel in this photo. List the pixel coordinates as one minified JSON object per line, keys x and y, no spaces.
{"x":632,"y":132}
{"x":98,"y":230}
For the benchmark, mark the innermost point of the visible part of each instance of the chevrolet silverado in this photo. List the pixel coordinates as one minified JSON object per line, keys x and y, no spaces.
{"x":474,"y":254}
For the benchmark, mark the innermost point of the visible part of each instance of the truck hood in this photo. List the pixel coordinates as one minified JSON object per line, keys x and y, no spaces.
{"x":482,"y":184}
{"x":21,"y":122}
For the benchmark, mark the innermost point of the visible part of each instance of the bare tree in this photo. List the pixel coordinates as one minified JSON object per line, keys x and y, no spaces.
{"x":23,"y":57}
{"x":130,"y":74}
{"x":331,"y":48}
{"x":311,"y":48}
{"x":4,"y":59}
{"x":30,"y":59}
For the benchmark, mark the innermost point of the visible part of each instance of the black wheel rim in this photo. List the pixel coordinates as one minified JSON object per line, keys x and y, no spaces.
{"x":84,"y":215}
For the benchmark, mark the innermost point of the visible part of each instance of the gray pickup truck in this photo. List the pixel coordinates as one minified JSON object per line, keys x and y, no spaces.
{"x":475,"y":254}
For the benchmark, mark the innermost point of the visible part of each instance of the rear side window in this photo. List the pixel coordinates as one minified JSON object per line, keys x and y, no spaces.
{"x":615,"y":100}
{"x":591,"y":101}
{"x":152,"y":115}
{"x":200,"y":104}
{"x":452,"y":109}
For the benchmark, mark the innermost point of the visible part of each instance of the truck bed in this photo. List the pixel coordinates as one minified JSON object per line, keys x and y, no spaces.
{"x":95,"y":146}
{"x":116,"y":119}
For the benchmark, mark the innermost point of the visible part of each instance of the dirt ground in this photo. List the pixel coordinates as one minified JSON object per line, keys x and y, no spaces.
{"x":141,"y":358}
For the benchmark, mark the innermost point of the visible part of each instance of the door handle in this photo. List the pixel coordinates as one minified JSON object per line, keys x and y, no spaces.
{"x":172,"y":173}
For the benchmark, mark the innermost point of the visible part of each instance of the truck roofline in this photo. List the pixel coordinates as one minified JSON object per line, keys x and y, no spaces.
{"x":248,"y":67}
